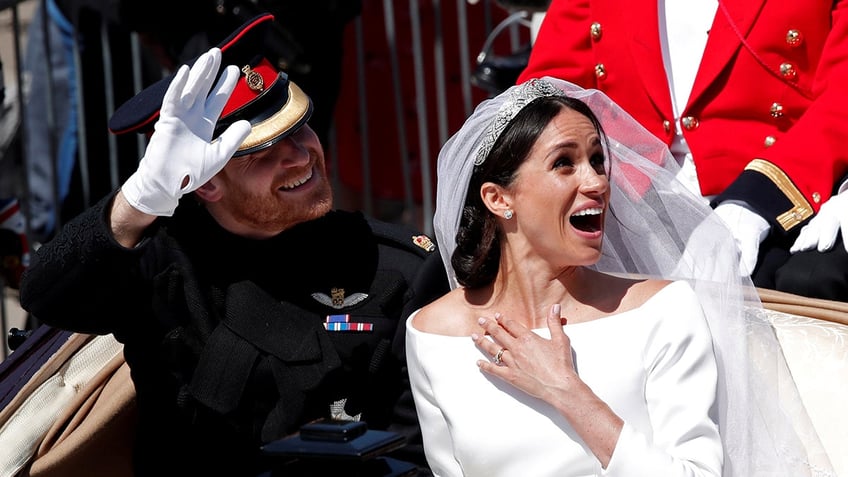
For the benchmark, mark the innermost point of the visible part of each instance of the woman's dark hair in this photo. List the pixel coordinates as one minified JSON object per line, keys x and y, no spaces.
{"x":478,"y":240}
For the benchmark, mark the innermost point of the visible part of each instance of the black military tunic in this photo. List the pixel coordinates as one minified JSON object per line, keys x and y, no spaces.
{"x":235,"y":342}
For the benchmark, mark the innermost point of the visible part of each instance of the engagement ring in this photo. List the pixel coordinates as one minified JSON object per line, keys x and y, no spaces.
{"x":499,"y":356}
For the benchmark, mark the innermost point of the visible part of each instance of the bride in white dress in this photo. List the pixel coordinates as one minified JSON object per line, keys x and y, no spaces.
{"x":597,"y":324}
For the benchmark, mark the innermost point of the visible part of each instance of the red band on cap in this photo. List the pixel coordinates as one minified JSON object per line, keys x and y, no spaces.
{"x":243,"y":94}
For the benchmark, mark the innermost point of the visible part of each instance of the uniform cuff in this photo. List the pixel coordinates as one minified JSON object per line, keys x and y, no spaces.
{"x":770,"y":192}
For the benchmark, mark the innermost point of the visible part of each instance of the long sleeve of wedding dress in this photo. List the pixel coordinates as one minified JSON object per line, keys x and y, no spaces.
{"x":653,"y":365}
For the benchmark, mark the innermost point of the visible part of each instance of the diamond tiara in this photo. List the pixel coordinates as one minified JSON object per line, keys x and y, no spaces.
{"x":518,"y":98}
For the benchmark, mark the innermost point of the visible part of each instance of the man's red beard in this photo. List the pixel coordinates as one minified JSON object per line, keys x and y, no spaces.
{"x":271,"y":212}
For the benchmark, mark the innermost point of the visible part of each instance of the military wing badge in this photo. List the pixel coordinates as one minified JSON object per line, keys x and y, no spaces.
{"x":337,"y":299}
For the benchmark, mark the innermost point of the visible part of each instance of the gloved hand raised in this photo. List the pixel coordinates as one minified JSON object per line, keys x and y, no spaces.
{"x":748,"y":229}
{"x":181,"y":155}
{"x":820,"y":233}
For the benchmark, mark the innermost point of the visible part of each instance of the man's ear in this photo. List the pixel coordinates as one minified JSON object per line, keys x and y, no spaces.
{"x":495,"y":198}
{"x":211,"y":191}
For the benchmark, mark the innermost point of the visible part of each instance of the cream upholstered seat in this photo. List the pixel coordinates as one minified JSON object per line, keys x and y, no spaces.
{"x":77,"y":411}
{"x":814,"y":337}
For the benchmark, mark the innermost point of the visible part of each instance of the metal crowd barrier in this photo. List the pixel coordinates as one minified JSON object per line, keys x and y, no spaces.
{"x":10,"y":112}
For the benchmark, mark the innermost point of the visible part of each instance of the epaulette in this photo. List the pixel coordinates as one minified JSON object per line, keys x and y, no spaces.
{"x":403,"y":236}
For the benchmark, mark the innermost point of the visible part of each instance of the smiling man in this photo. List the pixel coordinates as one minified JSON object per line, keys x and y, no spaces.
{"x":246,"y":305}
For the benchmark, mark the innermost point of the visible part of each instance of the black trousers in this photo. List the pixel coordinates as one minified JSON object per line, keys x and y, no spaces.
{"x":812,"y":273}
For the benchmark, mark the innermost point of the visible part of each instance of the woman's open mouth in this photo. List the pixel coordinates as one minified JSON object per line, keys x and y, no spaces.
{"x":587,"y":220}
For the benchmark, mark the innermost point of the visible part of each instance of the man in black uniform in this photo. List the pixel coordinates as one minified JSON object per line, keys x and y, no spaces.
{"x":247,"y":307}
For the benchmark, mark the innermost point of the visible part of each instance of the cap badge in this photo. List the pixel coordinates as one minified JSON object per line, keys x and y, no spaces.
{"x":254,"y":80}
{"x":424,"y":242}
{"x":337,"y":298}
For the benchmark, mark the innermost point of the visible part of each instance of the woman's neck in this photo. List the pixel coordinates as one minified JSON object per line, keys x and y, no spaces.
{"x":526,"y":293}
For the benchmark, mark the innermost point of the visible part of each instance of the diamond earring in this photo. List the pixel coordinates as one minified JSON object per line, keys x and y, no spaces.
{"x":508,"y":214}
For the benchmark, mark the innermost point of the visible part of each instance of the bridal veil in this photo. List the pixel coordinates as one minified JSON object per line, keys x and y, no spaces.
{"x":657,"y":228}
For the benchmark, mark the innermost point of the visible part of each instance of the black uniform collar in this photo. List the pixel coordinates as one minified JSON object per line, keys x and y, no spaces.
{"x":337,"y":250}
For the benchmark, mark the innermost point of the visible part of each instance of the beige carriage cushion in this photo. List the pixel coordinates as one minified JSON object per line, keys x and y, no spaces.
{"x":814,"y":337}
{"x":95,"y":432}
{"x":83,"y":363}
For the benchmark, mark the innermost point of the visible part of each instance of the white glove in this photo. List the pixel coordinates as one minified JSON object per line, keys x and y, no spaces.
{"x":821,"y":231}
{"x":181,"y":155}
{"x":748,"y":229}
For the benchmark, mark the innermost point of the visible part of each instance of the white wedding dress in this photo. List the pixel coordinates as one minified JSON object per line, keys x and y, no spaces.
{"x":654,"y":366}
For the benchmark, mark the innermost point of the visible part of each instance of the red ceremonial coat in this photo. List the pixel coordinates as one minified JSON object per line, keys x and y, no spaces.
{"x":767,"y":118}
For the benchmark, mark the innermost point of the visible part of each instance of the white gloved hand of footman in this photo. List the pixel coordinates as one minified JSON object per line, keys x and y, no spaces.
{"x":820,"y":233}
{"x":181,"y":155}
{"x":749,"y":230}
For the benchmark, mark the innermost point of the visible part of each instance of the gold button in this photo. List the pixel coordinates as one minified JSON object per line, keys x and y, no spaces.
{"x":600,"y":71}
{"x":769,"y":142}
{"x":788,"y":71}
{"x":776,"y":110}
{"x":689,"y":123}
{"x":595,"y":29}
{"x":794,"y":38}
{"x":797,"y":215}
{"x":816,"y":197}
{"x":667,"y":125}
